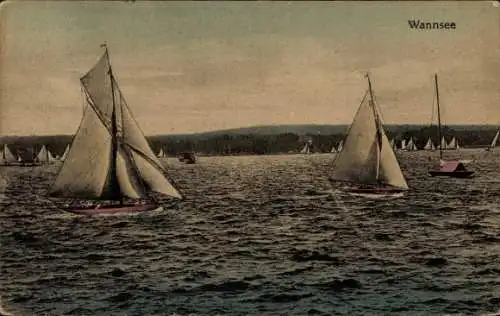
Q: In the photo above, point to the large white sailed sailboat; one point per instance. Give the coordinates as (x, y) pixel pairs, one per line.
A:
(367, 162)
(110, 159)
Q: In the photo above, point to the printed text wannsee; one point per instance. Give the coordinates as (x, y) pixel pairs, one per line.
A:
(421, 25)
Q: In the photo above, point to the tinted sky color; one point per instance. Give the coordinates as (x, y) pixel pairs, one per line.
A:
(194, 67)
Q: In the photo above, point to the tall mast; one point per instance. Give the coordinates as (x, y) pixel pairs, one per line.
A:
(439, 117)
(114, 132)
(377, 126)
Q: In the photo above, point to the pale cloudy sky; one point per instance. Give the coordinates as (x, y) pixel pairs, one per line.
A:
(193, 67)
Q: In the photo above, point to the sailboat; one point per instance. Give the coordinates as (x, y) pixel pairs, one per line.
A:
(307, 148)
(447, 168)
(340, 146)
(411, 145)
(110, 159)
(493, 142)
(367, 163)
(65, 154)
(6, 157)
(161, 154)
(44, 156)
(429, 145)
(453, 144)
(403, 144)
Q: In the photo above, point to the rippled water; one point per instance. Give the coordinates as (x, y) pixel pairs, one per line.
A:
(263, 235)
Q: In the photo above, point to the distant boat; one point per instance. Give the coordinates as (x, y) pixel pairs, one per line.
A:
(187, 157)
(411, 145)
(65, 154)
(403, 144)
(429, 145)
(367, 163)
(161, 154)
(447, 168)
(109, 159)
(340, 146)
(493, 142)
(7, 158)
(44, 156)
(453, 144)
(307, 148)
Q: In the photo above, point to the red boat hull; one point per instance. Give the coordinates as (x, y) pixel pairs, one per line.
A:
(114, 209)
(452, 174)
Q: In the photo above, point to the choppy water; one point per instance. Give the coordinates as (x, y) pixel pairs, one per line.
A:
(261, 235)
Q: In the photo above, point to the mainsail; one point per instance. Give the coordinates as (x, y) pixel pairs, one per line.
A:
(367, 156)
(44, 155)
(109, 158)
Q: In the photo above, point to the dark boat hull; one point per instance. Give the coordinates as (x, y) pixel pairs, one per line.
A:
(114, 209)
(452, 174)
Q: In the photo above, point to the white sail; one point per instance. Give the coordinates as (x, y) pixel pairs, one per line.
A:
(334, 149)
(367, 156)
(403, 144)
(65, 154)
(44, 155)
(495, 139)
(7, 156)
(110, 157)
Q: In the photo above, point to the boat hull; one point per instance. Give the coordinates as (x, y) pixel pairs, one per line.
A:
(452, 174)
(376, 192)
(114, 209)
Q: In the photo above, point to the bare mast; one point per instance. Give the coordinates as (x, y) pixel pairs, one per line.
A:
(439, 118)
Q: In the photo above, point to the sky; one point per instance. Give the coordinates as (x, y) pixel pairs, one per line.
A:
(202, 66)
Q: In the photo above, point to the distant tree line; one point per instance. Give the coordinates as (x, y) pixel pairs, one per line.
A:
(254, 144)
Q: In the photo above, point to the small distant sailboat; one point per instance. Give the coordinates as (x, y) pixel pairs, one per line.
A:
(44, 156)
(411, 145)
(307, 148)
(161, 154)
(340, 146)
(453, 144)
(7, 158)
(403, 144)
(367, 163)
(65, 154)
(447, 168)
(429, 145)
(110, 159)
(493, 142)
